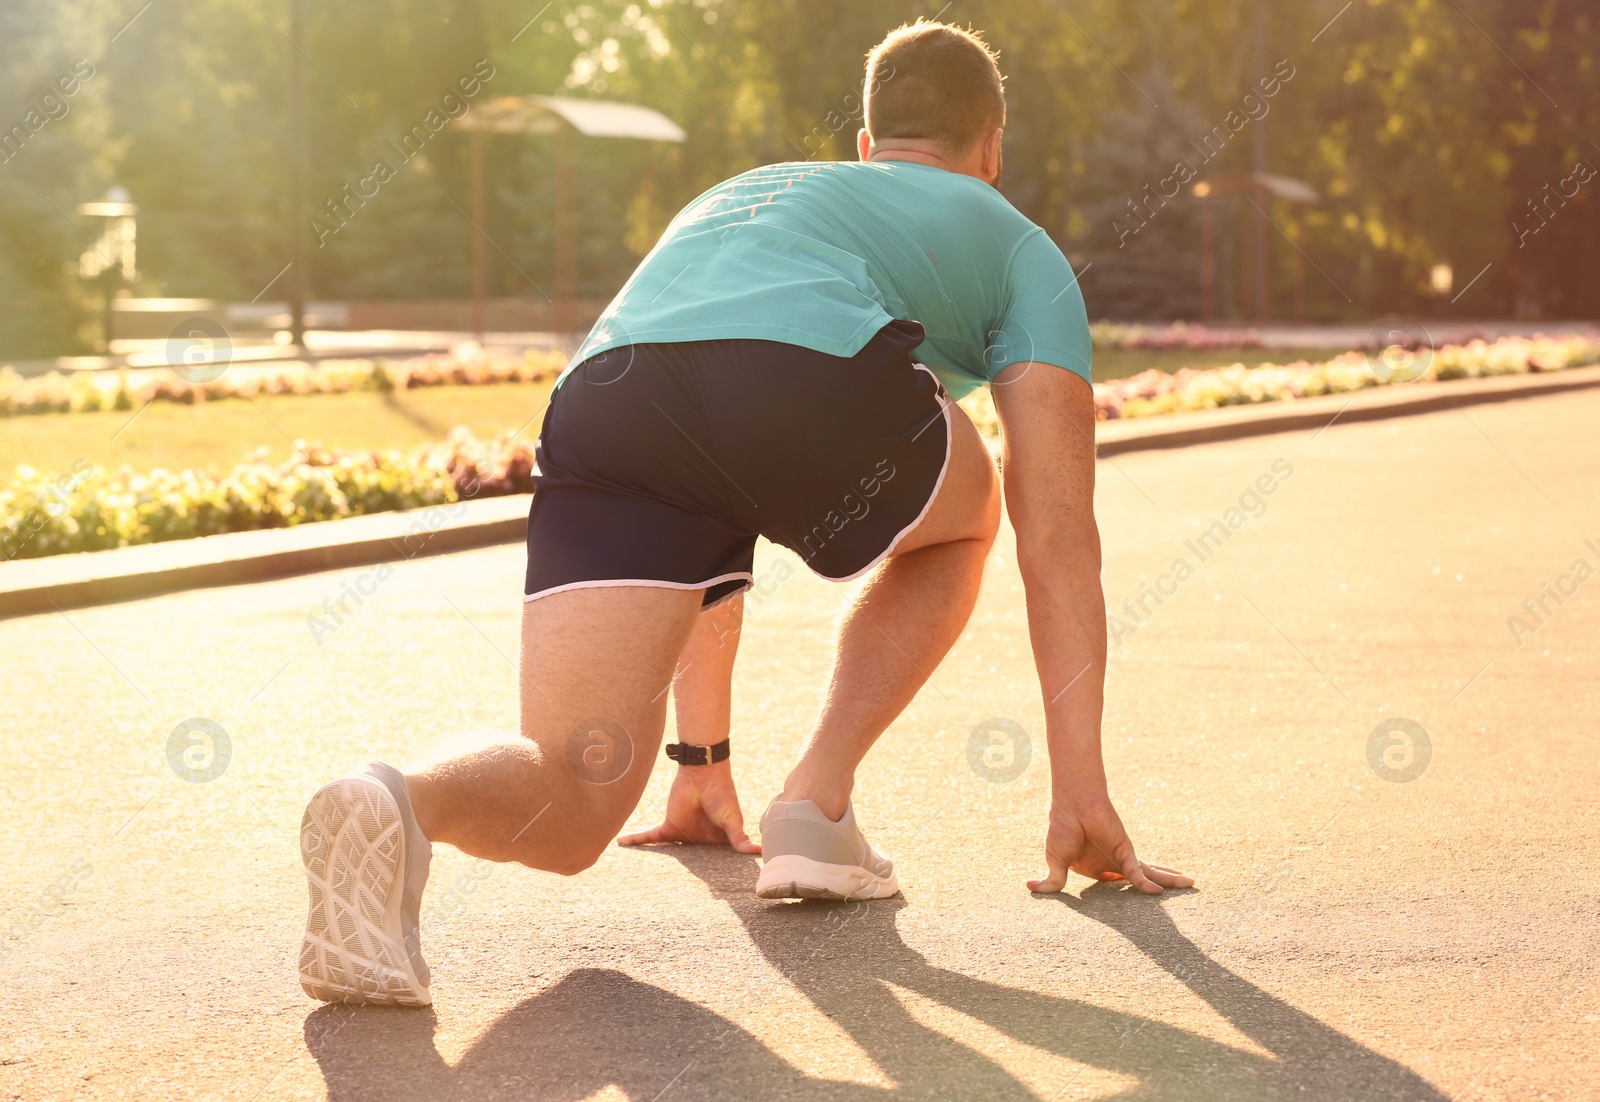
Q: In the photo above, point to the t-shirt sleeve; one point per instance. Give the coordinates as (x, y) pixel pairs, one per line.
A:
(1045, 320)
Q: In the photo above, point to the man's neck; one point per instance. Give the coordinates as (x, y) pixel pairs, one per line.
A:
(928, 153)
(915, 156)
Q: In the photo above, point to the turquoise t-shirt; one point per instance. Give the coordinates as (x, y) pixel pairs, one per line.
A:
(824, 255)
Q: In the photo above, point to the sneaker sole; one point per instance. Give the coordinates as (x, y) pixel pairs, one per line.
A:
(790, 876)
(353, 845)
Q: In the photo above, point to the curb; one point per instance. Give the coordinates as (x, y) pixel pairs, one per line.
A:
(61, 582)
(1179, 430)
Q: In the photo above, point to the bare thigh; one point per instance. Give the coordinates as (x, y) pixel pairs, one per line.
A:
(596, 665)
(967, 506)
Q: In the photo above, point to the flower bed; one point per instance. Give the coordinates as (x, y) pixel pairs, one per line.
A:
(1178, 335)
(89, 391)
(1143, 395)
(91, 509)
(1153, 392)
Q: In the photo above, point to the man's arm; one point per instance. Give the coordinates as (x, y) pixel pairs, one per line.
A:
(702, 805)
(1047, 421)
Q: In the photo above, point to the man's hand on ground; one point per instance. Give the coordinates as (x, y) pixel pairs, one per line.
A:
(702, 808)
(1088, 837)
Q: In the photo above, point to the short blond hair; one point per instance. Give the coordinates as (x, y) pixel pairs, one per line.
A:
(934, 82)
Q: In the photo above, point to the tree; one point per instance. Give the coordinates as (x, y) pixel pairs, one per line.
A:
(1438, 131)
(54, 153)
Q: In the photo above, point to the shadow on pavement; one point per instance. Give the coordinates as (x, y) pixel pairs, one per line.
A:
(599, 1028)
(596, 1028)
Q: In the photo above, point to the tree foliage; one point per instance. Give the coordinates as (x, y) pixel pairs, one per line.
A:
(1437, 131)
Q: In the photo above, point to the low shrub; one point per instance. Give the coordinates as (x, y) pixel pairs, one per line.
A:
(1153, 392)
(91, 509)
(89, 391)
(1178, 335)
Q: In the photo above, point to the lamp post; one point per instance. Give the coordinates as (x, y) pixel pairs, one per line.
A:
(1258, 159)
(114, 253)
(297, 175)
(1267, 186)
(1202, 191)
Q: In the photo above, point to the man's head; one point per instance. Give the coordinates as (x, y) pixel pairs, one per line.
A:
(935, 93)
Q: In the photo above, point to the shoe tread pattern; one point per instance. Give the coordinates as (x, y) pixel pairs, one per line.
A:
(351, 844)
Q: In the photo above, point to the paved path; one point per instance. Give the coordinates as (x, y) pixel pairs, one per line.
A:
(248, 352)
(1352, 936)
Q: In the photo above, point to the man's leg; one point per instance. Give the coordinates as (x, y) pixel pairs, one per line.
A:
(596, 665)
(902, 623)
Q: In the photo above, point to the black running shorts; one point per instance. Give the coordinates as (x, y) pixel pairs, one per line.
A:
(660, 464)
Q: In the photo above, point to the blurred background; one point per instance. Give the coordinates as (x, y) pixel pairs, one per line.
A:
(274, 264)
(1416, 145)
(246, 246)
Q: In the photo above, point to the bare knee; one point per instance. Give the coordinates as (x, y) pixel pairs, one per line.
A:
(584, 832)
(571, 839)
(570, 864)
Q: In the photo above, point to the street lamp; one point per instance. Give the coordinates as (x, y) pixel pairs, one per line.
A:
(1267, 186)
(1258, 164)
(299, 281)
(1208, 277)
(114, 253)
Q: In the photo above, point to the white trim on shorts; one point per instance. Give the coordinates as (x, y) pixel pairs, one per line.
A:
(949, 450)
(746, 576)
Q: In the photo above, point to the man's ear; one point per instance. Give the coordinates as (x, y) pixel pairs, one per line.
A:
(991, 152)
(863, 144)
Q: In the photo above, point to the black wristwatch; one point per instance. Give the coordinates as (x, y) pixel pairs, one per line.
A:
(684, 754)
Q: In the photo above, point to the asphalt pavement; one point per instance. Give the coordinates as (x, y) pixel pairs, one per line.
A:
(1361, 713)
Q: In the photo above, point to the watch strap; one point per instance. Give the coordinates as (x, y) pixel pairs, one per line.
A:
(684, 754)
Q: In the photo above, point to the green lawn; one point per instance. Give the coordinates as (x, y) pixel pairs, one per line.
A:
(217, 435)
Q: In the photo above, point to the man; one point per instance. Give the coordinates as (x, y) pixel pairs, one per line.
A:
(756, 377)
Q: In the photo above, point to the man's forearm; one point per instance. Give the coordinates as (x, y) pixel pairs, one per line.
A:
(1066, 623)
(702, 690)
(1047, 417)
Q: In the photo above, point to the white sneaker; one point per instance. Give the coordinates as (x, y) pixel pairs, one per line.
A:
(366, 863)
(806, 855)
